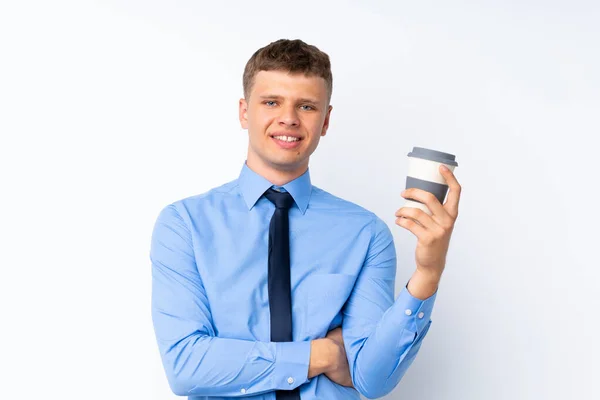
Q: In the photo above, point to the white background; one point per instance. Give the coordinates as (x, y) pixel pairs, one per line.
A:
(111, 110)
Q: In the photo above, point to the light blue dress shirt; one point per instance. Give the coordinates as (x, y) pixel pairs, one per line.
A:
(210, 305)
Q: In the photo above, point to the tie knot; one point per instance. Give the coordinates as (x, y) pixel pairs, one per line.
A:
(280, 199)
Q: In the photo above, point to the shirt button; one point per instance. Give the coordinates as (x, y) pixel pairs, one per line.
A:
(243, 391)
(421, 315)
(290, 380)
(408, 312)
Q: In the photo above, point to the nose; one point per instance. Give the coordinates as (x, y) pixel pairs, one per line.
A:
(288, 116)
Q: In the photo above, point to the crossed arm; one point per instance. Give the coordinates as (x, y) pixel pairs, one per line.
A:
(379, 338)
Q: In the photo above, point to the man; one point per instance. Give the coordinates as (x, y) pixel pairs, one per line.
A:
(268, 287)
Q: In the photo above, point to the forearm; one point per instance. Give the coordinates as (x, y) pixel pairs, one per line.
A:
(390, 348)
(210, 366)
(381, 335)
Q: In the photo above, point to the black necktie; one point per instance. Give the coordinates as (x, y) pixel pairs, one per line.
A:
(280, 296)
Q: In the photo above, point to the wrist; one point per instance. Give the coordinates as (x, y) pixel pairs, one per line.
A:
(423, 285)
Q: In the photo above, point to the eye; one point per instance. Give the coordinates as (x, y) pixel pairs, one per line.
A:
(309, 107)
(268, 101)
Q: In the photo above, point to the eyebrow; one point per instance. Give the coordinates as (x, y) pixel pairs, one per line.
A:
(302, 100)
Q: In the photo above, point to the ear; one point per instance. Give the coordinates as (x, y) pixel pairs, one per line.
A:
(243, 113)
(326, 122)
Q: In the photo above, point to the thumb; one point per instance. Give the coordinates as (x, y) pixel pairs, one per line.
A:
(336, 334)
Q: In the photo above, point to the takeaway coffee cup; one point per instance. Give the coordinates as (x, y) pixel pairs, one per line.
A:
(424, 173)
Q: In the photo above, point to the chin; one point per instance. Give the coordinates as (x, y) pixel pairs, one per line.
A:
(285, 165)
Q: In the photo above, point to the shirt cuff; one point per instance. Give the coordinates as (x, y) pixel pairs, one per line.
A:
(291, 364)
(416, 312)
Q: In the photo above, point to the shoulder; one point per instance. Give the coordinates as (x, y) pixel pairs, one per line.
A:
(216, 194)
(213, 198)
(322, 200)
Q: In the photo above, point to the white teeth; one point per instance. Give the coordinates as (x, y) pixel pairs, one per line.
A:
(286, 138)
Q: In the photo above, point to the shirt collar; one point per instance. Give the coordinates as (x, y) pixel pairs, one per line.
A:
(253, 185)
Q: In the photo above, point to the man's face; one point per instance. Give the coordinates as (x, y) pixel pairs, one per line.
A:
(283, 104)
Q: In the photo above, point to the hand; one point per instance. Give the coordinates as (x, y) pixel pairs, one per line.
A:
(336, 335)
(433, 232)
(339, 371)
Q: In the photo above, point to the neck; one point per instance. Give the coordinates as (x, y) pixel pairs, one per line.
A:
(277, 176)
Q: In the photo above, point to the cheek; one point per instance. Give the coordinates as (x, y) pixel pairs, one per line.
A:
(262, 116)
(258, 124)
(316, 124)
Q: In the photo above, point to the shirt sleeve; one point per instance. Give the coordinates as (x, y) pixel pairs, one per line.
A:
(197, 362)
(382, 337)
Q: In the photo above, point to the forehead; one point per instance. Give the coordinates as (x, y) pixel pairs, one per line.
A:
(286, 84)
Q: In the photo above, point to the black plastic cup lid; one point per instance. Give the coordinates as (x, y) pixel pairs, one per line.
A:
(433, 155)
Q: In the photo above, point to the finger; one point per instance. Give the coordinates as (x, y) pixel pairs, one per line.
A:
(337, 339)
(451, 204)
(438, 213)
(414, 227)
(335, 333)
(417, 215)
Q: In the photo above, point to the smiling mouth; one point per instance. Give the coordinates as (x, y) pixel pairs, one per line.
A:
(285, 144)
(286, 138)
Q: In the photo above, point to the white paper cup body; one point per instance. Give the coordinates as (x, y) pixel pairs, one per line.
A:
(426, 170)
